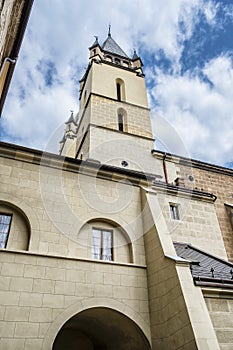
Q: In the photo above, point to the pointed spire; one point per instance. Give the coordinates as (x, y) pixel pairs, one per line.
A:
(96, 40)
(71, 118)
(109, 30)
(135, 55)
(95, 43)
(111, 46)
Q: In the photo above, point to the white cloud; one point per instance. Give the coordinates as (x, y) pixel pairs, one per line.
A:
(210, 10)
(200, 113)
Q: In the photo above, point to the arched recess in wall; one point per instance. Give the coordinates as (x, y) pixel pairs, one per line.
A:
(14, 227)
(120, 90)
(100, 328)
(105, 240)
(122, 120)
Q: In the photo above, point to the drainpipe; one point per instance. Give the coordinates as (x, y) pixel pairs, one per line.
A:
(7, 59)
(165, 167)
(4, 71)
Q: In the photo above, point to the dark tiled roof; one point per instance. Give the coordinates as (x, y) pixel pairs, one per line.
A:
(111, 46)
(206, 269)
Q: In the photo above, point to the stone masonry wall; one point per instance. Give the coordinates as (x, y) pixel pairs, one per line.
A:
(10, 17)
(221, 313)
(221, 185)
(198, 224)
(104, 112)
(39, 293)
(58, 203)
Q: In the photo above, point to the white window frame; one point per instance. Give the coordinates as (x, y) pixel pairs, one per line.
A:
(99, 251)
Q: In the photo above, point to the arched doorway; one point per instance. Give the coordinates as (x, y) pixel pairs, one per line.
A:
(100, 329)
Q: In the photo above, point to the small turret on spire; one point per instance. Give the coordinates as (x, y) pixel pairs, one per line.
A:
(71, 118)
(137, 63)
(109, 30)
(135, 55)
(96, 40)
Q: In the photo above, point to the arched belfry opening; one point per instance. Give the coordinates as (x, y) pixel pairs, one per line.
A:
(100, 329)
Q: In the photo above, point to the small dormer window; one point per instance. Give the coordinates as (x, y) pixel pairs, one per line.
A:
(117, 61)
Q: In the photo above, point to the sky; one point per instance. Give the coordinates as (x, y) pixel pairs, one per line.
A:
(187, 50)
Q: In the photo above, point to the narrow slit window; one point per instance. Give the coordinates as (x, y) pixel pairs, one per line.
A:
(120, 122)
(118, 91)
(5, 223)
(102, 244)
(174, 211)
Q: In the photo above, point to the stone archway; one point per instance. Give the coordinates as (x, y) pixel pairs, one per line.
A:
(100, 328)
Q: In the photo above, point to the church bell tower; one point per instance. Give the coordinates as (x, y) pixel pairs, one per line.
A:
(113, 123)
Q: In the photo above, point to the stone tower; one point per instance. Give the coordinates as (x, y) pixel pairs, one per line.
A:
(113, 123)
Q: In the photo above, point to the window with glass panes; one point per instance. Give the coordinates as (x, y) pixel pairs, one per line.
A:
(102, 244)
(174, 211)
(5, 223)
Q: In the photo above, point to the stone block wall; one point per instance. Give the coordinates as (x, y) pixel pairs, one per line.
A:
(39, 294)
(179, 317)
(221, 313)
(198, 223)
(10, 11)
(58, 203)
(218, 181)
(104, 112)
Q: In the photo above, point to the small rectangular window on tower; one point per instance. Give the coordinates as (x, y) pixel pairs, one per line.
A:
(174, 211)
(5, 223)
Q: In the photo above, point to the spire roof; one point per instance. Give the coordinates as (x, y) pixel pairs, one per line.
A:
(135, 55)
(112, 47)
(95, 42)
(71, 118)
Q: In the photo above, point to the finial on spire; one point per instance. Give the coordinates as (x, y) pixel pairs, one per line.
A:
(109, 29)
(96, 38)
